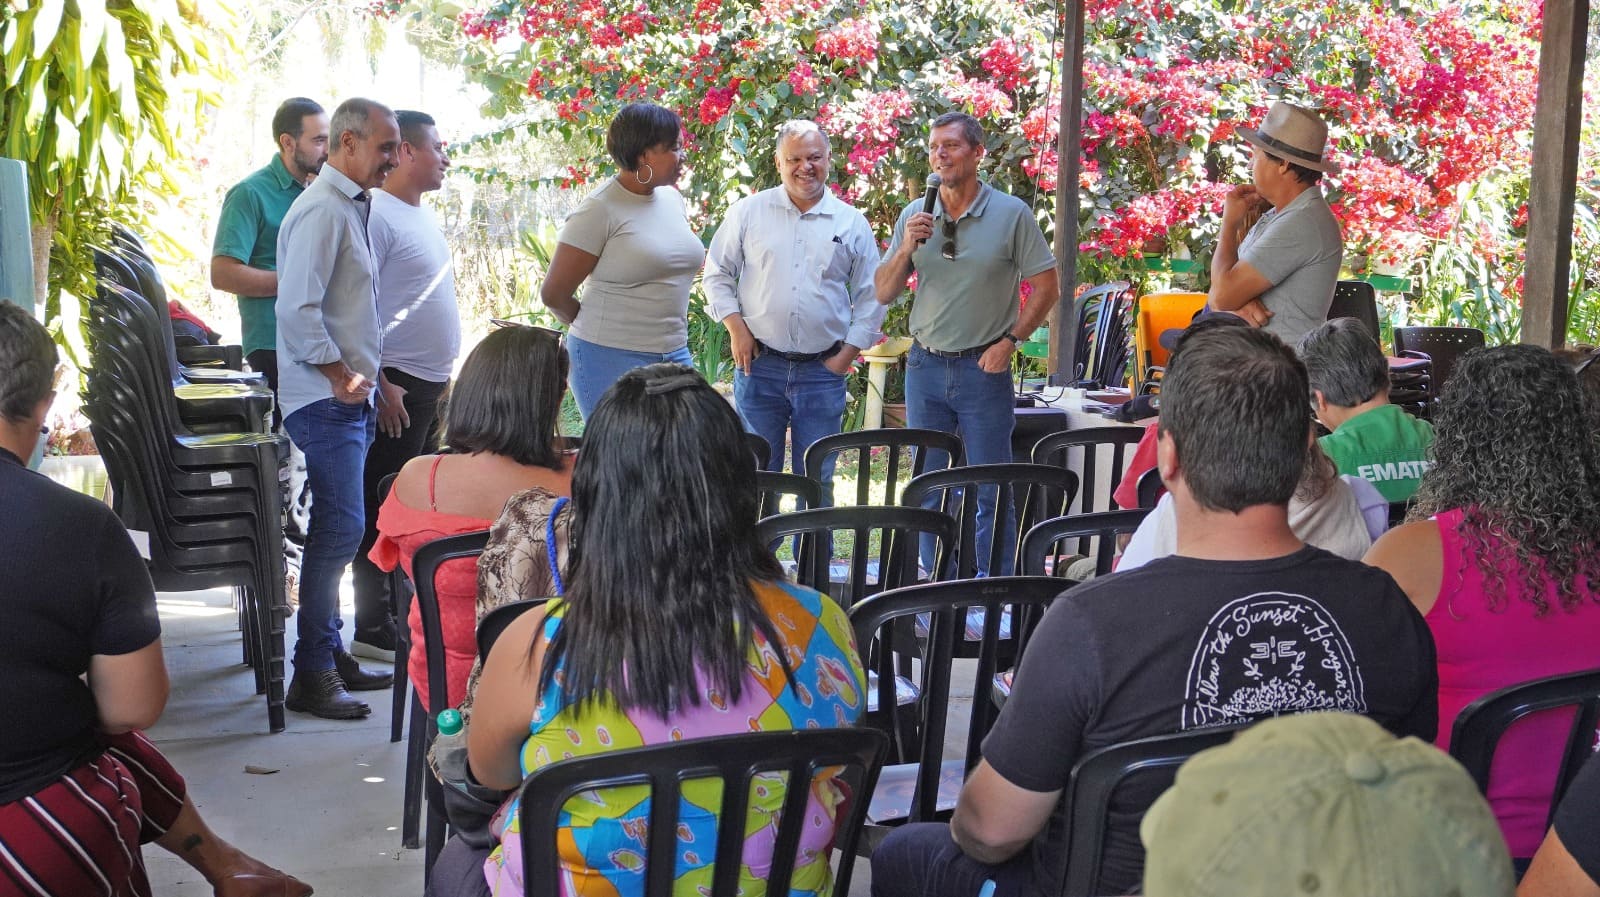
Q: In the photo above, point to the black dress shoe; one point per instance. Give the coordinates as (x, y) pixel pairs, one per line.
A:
(323, 694)
(357, 679)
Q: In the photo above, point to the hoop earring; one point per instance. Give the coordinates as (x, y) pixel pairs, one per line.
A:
(644, 180)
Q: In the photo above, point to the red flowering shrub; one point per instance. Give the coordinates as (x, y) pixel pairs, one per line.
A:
(1425, 105)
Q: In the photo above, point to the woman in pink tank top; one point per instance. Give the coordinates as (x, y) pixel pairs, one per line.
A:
(1502, 556)
(500, 429)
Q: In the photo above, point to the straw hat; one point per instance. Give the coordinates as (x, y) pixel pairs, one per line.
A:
(1294, 133)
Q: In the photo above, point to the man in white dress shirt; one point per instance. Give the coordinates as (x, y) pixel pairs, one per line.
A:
(790, 274)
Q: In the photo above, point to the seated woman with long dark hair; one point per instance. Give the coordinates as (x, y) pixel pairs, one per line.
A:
(500, 427)
(1502, 557)
(676, 623)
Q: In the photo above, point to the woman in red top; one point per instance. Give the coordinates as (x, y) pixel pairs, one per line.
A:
(501, 439)
(1502, 557)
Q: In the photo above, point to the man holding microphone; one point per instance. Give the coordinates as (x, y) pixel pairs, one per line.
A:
(970, 255)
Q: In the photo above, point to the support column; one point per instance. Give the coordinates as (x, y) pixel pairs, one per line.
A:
(1557, 124)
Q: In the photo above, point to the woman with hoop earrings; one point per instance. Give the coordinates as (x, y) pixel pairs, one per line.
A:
(630, 239)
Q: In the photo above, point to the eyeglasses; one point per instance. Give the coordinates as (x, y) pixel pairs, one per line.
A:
(949, 250)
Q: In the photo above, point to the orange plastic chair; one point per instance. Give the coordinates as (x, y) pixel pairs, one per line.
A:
(1159, 312)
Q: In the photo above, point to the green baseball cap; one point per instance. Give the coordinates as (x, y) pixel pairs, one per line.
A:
(1323, 805)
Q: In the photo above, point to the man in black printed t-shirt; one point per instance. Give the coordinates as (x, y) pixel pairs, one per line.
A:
(1244, 622)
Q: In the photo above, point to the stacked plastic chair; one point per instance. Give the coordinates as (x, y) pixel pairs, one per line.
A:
(209, 502)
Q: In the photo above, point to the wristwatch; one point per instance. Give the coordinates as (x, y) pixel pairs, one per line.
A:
(1015, 340)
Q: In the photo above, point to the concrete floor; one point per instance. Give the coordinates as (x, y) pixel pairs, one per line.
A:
(329, 815)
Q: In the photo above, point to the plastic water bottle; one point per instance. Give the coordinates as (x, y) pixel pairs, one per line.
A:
(450, 748)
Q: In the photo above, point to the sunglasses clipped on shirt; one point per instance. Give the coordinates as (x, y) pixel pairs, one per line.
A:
(949, 248)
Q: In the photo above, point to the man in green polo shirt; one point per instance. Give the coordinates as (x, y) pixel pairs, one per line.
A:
(1371, 438)
(971, 254)
(244, 255)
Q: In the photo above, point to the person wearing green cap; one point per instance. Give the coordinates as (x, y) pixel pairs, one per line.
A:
(1328, 804)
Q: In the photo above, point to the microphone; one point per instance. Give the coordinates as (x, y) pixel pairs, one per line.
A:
(934, 182)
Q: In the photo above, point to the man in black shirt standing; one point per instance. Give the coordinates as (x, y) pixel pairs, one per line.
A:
(1244, 622)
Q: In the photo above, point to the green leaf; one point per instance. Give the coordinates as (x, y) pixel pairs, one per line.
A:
(46, 23)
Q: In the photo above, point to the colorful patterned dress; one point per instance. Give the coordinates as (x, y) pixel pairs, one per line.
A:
(603, 834)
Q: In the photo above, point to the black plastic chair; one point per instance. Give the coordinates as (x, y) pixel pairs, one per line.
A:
(1397, 512)
(1441, 345)
(760, 448)
(1011, 606)
(1480, 725)
(494, 622)
(1026, 493)
(1150, 488)
(892, 565)
(1101, 338)
(1080, 451)
(1356, 299)
(1092, 799)
(775, 487)
(1044, 540)
(736, 760)
(424, 726)
(928, 450)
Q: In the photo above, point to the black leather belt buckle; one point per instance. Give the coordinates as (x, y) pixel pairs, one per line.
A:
(800, 357)
(959, 353)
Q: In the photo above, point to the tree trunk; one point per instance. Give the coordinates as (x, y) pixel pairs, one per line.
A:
(44, 235)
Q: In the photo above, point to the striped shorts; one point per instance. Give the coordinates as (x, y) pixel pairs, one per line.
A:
(80, 835)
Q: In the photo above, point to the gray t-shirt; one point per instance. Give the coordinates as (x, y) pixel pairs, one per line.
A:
(1299, 249)
(638, 296)
(972, 299)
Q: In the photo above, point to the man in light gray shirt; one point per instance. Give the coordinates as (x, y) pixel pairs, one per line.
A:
(328, 353)
(790, 274)
(971, 255)
(1281, 276)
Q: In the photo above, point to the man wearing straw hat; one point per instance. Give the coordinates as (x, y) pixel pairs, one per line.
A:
(1281, 275)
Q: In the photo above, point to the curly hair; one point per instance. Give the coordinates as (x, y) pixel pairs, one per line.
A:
(1512, 452)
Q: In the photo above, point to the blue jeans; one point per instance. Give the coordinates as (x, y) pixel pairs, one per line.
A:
(921, 860)
(593, 368)
(955, 396)
(777, 396)
(334, 437)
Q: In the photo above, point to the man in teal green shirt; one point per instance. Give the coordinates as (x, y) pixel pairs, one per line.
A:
(1371, 438)
(244, 255)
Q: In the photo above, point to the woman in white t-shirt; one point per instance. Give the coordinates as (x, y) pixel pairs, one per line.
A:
(631, 241)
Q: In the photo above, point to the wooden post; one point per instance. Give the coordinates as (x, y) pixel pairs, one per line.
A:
(1557, 124)
(1063, 327)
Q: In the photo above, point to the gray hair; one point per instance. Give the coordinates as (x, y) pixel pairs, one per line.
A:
(353, 115)
(1344, 362)
(799, 127)
(27, 362)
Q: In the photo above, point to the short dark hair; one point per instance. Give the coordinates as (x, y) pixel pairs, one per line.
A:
(1234, 404)
(1301, 173)
(411, 123)
(1344, 362)
(507, 399)
(27, 362)
(970, 129)
(291, 117)
(638, 127)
